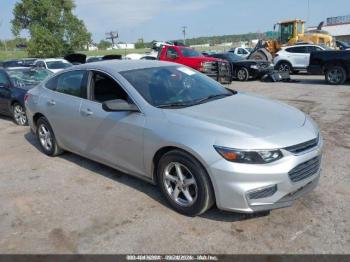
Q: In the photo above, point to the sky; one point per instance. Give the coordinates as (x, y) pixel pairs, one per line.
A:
(162, 19)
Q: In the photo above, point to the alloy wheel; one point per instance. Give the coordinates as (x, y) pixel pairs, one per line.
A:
(335, 76)
(284, 67)
(45, 137)
(19, 115)
(180, 184)
(242, 74)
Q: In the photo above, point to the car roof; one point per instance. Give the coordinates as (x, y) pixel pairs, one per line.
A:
(285, 47)
(52, 59)
(124, 65)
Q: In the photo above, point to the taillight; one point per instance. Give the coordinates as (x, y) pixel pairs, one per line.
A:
(26, 97)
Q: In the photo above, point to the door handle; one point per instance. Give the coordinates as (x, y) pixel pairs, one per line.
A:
(51, 102)
(87, 112)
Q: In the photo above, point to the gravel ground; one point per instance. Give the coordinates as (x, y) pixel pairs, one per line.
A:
(70, 204)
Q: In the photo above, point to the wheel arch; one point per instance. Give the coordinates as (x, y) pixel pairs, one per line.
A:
(283, 61)
(162, 151)
(36, 117)
(336, 63)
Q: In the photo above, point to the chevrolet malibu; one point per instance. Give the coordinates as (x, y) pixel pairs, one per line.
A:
(175, 127)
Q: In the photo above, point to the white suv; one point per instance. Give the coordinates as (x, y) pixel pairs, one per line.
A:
(294, 58)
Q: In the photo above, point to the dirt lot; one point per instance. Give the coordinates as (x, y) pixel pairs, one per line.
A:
(73, 205)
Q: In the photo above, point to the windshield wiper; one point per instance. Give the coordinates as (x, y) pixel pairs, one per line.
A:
(200, 101)
(172, 105)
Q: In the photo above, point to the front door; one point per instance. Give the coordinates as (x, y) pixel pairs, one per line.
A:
(114, 138)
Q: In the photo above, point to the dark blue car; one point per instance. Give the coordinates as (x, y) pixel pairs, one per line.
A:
(14, 84)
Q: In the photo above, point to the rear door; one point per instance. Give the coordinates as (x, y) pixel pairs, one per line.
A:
(61, 106)
(5, 93)
(113, 138)
(299, 56)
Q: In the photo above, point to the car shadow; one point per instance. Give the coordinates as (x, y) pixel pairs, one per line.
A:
(140, 185)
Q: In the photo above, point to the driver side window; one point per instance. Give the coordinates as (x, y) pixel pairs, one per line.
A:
(103, 88)
(171, 53)
(3, 79)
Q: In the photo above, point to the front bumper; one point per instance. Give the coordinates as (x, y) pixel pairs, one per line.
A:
(258, 73)
(234, 182)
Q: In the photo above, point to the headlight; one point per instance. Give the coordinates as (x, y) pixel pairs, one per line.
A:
(249, 157)
(254, 66)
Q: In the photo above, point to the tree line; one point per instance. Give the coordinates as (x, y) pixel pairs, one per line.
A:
(55, 31)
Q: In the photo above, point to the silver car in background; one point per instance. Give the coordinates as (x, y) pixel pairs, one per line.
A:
(175, 127)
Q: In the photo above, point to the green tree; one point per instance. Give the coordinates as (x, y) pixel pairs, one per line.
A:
(104, 44)
(140, 44)
(53, 28)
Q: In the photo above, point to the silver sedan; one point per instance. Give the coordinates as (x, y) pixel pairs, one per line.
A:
(175, 127)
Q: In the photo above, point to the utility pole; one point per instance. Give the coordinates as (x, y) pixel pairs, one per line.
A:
(111, 36)
(308, 13)
(184, 33)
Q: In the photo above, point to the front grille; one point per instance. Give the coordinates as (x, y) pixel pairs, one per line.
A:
(296, 149)
(305, 169)
(262, 193)
(263, 65)
(220, 71)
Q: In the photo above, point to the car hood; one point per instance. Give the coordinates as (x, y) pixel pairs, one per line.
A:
(206, 59)
(241, 114)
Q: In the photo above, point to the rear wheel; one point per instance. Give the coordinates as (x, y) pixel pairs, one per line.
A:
(335, 75)
(19, 115)
(185, 183)
(242, 74)
(46, 138)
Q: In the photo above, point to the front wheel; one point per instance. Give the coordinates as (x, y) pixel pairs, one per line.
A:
(335, 75)
(19, 115)
(243, 74)
(185, 183)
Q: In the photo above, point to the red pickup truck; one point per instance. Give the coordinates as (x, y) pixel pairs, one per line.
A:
(215, 68)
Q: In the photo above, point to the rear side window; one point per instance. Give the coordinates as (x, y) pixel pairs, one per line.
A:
(3, 78)
(70, 83)
(313, 49)
(298, 49)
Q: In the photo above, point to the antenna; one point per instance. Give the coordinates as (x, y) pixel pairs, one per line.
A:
(184, 33)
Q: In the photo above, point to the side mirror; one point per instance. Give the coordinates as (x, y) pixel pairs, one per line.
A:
(119, 105)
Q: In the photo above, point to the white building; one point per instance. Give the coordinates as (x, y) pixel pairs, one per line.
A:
(338, 27)
(122, 46)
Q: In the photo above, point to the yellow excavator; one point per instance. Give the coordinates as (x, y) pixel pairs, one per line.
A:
(290, 32)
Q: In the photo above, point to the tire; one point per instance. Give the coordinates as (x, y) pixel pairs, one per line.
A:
(190, 198)
(284, 67)
(335, 75)
(242, 74)
(46, 138)
(19, 115)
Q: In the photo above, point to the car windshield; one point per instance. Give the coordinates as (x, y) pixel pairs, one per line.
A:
(24, 77)
(174, 86)
(188, 52)
(58, 65)
(344, 44)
